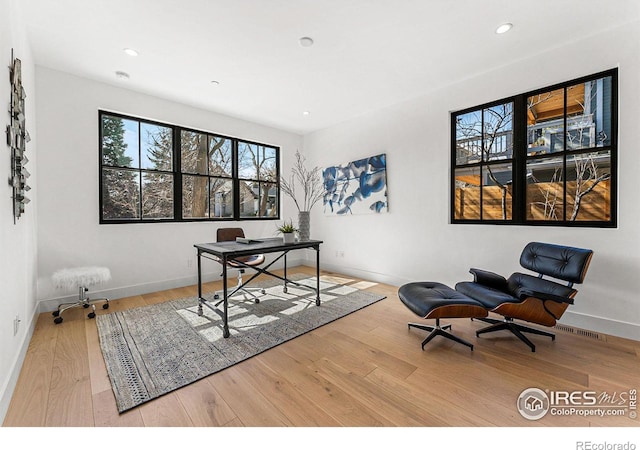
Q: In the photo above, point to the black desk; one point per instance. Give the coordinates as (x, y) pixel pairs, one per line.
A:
(228, 251)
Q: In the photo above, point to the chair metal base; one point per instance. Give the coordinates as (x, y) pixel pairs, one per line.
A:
(239, 288)
(515, 328)
(438, 330)
(83, 301)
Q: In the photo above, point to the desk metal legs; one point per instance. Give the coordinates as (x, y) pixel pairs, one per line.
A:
(225, 303)
(203, 302)
(225, 300)
(317, 275)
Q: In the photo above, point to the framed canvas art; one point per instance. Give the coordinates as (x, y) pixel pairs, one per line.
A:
(356, 187)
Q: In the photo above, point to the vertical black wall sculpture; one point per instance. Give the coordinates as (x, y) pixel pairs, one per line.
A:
(17, 138)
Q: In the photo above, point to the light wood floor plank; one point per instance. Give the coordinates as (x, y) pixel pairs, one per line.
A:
(70, 402)
(204, 405)
(165, 411)
(245, 399)
(31, 396)
(298, 409)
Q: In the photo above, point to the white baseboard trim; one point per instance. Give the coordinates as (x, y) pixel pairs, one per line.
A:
(364, 274)
(49, 305)
(604, 325)
(10, 385)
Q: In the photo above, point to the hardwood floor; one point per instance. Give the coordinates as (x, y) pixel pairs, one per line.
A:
(364, 370)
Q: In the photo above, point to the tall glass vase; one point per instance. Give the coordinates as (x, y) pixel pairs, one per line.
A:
(304, 225)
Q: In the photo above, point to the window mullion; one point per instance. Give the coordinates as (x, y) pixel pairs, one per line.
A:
(519, 167)
(177, 174)
(236, 182)
(565, 138)
(140, 171)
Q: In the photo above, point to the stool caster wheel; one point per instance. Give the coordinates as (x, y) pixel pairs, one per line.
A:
(85, 305)
(257, 300)
(57, 320)
(56, 313)
(105, 306)
(263, 291)
(216, 297)
(91, 315)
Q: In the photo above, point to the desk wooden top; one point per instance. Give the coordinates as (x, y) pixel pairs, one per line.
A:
(259, 245)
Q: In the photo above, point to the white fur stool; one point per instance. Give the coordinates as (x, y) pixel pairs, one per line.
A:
(80, 278)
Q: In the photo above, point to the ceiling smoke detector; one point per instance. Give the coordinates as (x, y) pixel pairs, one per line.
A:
(305, 42)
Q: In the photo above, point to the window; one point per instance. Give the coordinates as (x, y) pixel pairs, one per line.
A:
(154, 172)
(546, 157)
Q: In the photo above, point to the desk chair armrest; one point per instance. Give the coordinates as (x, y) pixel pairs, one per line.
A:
(525, 293)
(489, 279)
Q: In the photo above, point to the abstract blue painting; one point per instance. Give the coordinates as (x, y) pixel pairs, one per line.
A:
(356, 187)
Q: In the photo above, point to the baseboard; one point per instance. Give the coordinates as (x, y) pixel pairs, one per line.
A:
(12, 380)
(364, 274)
(49, 305)
(602, 325)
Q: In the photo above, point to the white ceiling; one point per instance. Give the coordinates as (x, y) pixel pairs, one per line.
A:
(368, 54)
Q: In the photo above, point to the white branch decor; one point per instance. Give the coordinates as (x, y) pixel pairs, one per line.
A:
(310, 182)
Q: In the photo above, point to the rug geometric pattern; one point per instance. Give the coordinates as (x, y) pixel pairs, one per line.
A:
(152, 350)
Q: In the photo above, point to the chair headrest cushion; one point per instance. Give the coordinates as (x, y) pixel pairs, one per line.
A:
(557, 261)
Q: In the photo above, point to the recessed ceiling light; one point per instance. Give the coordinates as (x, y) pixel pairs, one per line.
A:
(122, 75)
(305, 41)
(504, 28)
(130, 52)
(305, 113)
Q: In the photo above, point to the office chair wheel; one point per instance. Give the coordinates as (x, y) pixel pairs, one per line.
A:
(263, 291)
(91, 315)
(105, 306)
(257, 300)
(57, 320)
(56, 313)
(86, 305)
(216, 297)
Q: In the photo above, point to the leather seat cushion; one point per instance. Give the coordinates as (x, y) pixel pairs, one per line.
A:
(253, 260)
(519, 282)
(487, 296)
(424, 296)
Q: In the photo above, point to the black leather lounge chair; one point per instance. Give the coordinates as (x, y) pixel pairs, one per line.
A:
(527, 297)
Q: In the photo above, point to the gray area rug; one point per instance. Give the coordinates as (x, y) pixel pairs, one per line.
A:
(153, 350)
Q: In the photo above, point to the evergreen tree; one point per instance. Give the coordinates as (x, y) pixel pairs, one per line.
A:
(120, 190)
(157, 189)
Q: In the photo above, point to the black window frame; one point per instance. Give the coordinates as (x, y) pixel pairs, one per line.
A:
(177, 174)
(520, 157)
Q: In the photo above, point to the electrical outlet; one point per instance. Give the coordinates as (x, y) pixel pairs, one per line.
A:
(16, 324)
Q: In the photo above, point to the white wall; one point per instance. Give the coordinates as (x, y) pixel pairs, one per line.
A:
(17, 241)
(415, 240)
(142, 257)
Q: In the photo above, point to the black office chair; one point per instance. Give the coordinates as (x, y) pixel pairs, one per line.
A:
(527, 297)
(230, 234)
